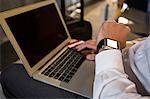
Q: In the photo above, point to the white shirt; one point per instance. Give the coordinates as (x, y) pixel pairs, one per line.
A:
(111, 82)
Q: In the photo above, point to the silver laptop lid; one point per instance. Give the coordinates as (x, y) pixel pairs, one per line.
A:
(37, 32)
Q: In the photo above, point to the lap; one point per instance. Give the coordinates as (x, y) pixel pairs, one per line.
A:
(17, 83)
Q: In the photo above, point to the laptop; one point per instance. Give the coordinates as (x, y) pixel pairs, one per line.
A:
(40, 37)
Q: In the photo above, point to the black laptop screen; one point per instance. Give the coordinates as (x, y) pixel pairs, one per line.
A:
(37, 32)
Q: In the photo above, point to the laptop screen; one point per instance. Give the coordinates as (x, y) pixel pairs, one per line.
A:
(37, 32)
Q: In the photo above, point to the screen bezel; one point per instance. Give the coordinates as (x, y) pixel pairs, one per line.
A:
(14, 43)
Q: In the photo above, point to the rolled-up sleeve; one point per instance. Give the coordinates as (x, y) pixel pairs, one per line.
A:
(110, 80)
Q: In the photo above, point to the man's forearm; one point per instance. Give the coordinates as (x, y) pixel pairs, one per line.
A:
(110, 80)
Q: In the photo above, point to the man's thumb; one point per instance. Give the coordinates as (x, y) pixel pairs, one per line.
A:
(90, 57)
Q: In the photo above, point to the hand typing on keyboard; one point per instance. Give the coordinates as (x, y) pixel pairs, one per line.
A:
(109, 29)
(89, 44)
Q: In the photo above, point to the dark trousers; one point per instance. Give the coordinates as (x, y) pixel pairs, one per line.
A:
(16, 83)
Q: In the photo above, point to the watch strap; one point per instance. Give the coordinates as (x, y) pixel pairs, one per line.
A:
(100, 45)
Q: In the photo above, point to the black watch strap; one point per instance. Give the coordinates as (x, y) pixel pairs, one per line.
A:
(100, 45)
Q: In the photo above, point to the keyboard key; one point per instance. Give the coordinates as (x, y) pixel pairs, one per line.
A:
(52, 74)
(77, 66)
(67, 71)
(74, 70)
(50, 70)
(46, 73)
(69, 77)
(71, 73)
(43, 72)
(66, 80)
(61, 78)
(64, 75)
(57, 76)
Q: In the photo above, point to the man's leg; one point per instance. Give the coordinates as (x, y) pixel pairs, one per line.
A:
(16, 83)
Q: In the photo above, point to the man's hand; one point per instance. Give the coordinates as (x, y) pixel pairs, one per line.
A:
(114, 30)
(109, 29)
(91, 44)
(88, 44)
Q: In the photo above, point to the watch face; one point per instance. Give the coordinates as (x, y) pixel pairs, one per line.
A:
(112, 43)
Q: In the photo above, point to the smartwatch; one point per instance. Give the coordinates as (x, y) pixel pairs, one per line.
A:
(108, 43)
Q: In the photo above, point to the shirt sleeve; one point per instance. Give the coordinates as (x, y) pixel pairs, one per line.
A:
(110, 80)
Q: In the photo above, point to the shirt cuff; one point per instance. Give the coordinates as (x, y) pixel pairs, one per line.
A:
(109, 59)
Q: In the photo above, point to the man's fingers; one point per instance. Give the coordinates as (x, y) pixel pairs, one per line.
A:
(81, 47)
(91, 44)
(90, 57)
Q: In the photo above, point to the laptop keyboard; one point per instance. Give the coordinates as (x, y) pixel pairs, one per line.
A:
(65, 66)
